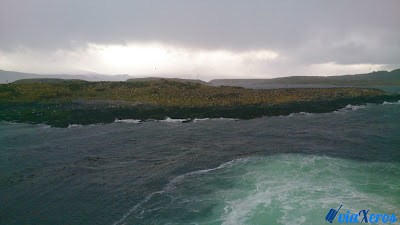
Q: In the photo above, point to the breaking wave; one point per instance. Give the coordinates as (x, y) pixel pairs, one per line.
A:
(391, 103)
(75, 125)
(127, 121)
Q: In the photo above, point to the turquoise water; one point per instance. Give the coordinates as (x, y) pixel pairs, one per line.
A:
(280, 189)
(273, 170)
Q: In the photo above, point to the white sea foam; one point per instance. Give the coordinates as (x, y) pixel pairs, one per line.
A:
(350, 107)
(180, 178)
(280, 189)
(200, 119)
(127, 121)
(75, 125)
(45, 126)
(295, 186)
(300, 113)
(133, 209)
(304, 113)
(222, 118)
(355, 107)
(391, 103)
(171, 185)
(169, 120)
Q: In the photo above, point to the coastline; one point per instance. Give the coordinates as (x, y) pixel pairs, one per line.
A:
(64, 114)
(79, 102)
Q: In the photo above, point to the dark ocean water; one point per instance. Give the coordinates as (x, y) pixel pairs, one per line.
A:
(272, 170)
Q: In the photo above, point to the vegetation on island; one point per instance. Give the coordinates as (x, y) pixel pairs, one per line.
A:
(160, 78)
(82, 102)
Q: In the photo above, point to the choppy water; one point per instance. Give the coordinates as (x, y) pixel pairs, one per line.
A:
(273, 170)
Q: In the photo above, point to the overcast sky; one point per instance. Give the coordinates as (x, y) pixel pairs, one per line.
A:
(200, 39)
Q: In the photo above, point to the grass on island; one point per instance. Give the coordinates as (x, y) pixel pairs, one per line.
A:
(80, 102)
(170, 93)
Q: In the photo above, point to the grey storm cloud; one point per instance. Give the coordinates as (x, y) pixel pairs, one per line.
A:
(309, 31)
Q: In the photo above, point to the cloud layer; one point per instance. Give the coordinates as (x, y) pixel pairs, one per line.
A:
(210, 38)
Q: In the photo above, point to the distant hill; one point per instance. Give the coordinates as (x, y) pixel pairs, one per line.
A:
(10, 76)
(384, 78)
(378, 78)
(43, 80)
(161, 78)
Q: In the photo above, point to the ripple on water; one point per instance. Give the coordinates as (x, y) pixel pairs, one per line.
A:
(280, 189)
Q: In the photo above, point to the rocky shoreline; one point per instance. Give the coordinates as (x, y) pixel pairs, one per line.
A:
(64, 114)
(79, 102)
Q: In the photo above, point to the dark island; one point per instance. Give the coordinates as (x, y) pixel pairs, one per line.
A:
(63, 102)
